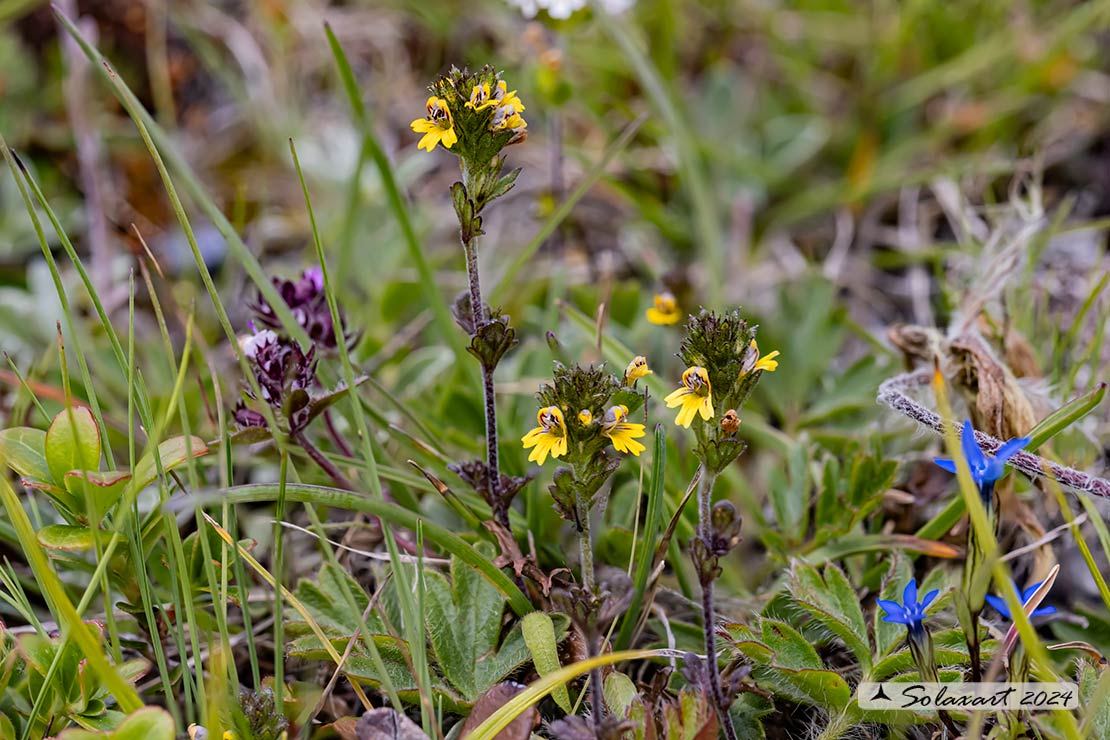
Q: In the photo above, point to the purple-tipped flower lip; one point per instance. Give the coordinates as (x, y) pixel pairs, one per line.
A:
(984, 470)
(999, 603)
(910, 612)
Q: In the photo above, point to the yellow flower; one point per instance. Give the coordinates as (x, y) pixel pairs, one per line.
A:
(636, 369)
(438, 127)
(480, 98)
(507, 116)
(585, 417)
(766, 362)
(508, 97)
(549, 438)
(665, 311)
(622, 433)
(695, 397)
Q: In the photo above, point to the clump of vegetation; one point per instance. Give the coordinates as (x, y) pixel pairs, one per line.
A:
(665, 450)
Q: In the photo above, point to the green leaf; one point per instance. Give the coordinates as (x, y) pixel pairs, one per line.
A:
(888, 634)
(72, 443)
(789, 647)
(789, 494)
(148, 723)
(951, 650)
(24, 451)
(833, 603)
(463, 619)
(539, 635)
(690, 718)
(100, 490)
(172, 452)
(66, 537)
(395, 515)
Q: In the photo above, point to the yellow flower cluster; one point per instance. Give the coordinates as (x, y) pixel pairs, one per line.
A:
(438, 126)
(550, 435)
(693, 398)
(695, 395)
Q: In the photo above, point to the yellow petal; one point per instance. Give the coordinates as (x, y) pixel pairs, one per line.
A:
(663, 318)
(429, 141)
(675, 397)
(449, 138)
(686, 415)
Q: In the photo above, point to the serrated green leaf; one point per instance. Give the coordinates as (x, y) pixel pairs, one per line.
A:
(833, 603)
(463, 619)
(789, 647)
(822, 687)
(949, 645)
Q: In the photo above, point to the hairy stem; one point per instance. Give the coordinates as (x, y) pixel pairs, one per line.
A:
(589, 582)
(585, 546)
(708, 609)
(478, 314)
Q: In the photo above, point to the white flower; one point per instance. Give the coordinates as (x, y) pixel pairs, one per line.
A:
(562, 9)
(251, 344)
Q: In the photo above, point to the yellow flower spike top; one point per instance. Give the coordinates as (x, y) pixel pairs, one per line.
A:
(767, 362)
(665, 311)
(694, 397)
(438, 127)
(585, 417)
(636, 369)
(621, 433)
(549, 438)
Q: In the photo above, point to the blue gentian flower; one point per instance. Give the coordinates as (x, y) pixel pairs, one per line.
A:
(1024, 596)
(910, 612)
(984, 470)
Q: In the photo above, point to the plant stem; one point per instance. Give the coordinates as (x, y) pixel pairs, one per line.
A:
(325, 464)
(585, 546)
(709, 619)
(589, 583)
(478, 315)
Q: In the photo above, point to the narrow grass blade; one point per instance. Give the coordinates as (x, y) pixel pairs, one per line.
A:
(647, 544)
(522, 257)
(393, 514)
(512, 709)
(164, 152)
(75, 629)
(432, 295)
(707, 224)
(289, 597)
